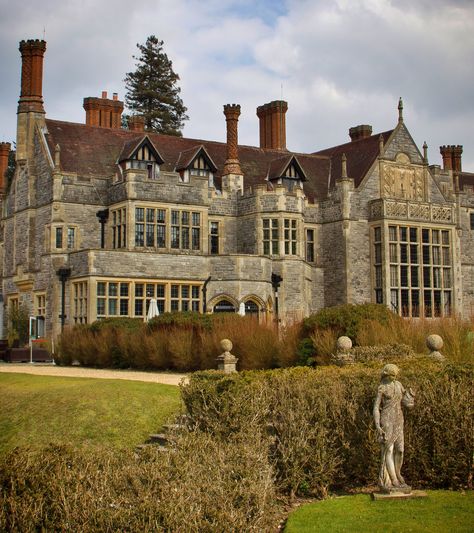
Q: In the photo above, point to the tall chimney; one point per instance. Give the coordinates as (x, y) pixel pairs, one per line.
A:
(232, 165)
(103, 112)
(136, 123)
(446, 155)
(360, 132)
(32, 54)
(272, 119)
(457, 153)
(4, 153)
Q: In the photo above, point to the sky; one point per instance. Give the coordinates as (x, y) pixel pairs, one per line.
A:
(338, 63)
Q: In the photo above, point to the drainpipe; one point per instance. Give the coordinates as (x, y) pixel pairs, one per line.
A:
(63, 274)
(204, 295)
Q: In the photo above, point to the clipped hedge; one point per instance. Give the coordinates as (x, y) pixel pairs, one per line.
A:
(319, 422)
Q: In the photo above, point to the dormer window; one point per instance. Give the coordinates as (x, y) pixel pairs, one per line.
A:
(287, 171)
(196, 162)
(141, 155)
(200, 167)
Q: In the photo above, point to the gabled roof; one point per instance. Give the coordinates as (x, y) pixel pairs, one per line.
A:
(278, 167)
(90, 150)
(132, 145)
(360, 154)
(187, 157)
(466, 179)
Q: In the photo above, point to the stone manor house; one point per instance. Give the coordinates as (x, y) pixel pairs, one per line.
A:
(98, 219)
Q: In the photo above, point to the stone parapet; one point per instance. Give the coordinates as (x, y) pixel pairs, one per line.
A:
(417, 211)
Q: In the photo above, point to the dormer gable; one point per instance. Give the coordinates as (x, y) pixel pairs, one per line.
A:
(196, 162)
(140, 153)
(287, 171)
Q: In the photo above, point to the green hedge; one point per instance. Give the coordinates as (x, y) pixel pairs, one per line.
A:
(319, 422)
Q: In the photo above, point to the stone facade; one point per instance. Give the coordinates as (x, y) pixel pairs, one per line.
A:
(206, 226)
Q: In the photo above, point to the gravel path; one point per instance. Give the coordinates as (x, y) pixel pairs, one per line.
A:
(80, 372)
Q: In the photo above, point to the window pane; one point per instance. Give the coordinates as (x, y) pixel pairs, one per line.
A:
(113, 288)
(139, 214)
(185, 238)
(138, 289)
(139, 307)
(160, 236)
(160, 291)
(124, 289)
(150, 290)
(112, 307)
(59, 237)
(100, 288)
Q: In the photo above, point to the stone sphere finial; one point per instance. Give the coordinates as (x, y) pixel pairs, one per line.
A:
(226, 345)
(343, 344)
(435, 343)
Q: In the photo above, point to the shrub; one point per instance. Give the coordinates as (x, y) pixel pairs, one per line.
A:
(17, 319)
(320, 426)
(382, 353)
(347, 319)
(202, 485)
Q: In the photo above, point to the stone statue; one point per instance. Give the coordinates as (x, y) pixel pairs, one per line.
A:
(388, 418)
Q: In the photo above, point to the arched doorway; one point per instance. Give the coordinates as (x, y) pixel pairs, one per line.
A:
(251, 308)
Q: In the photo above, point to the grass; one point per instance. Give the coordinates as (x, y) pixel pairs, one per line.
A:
(39, 410)
(441, 511)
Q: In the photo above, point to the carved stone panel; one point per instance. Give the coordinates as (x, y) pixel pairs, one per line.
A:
(401, 179)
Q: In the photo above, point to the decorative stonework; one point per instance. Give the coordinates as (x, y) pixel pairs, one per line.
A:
(406, 210)
(400, 179)
(226, 362)
(435, 343)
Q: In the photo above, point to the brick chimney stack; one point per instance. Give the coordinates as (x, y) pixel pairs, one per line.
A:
(32, 54)
(4, 153)
(232, 165)
(451, 157)
(104, 112)
(360, 132)
(272, 118)
(136, 123)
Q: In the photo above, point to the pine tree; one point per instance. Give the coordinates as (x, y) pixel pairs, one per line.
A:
(152, 90)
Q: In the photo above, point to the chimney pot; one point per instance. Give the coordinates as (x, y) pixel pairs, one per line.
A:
(136, 123)
(272, 118)
(4, 153)
(115, 96)
(31, 96)
(104, 94)
(362, 131)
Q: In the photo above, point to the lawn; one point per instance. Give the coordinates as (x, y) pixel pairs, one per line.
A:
(441, 511)
(39, 410)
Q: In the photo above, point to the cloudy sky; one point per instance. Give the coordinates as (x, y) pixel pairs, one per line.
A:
(338, 63)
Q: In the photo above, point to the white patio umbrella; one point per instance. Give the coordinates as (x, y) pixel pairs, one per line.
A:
(242, 309)
(152, 310)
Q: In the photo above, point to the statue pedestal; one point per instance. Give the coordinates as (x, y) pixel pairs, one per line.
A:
(405, 493)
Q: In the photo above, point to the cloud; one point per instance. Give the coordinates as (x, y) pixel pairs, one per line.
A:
(338, 62)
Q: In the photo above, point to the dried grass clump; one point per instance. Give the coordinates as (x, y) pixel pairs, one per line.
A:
(201, 485)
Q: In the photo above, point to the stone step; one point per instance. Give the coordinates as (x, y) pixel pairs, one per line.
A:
(159, 438)
(142, 447)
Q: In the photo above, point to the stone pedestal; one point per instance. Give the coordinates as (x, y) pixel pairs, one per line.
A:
(226, 362)
(343, 354)
(398, 494)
